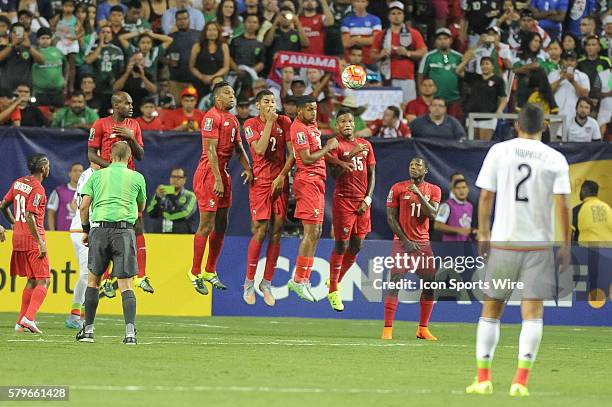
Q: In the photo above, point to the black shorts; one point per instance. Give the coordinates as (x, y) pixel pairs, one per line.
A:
(116, 245)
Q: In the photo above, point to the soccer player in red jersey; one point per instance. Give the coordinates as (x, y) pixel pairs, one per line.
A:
(268, 136)
(309, 189)
(351, 202)
(103, 134)
(212, 184)
(29, 258)
(411, 206)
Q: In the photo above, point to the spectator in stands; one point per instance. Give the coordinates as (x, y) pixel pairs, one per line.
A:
(588, 27)
(107, 61)
(333, 38)
(133, 18)
(454, 218)
(48, 81)
(229, 19)
(586, 227)
(290, 107)
(243, 108)
(550, 13)
(116, 24)
(283, 89)
(67, 30)
(61, 206)
(186, 117)
(487, 94)
(78, 115)
(268, 15)
(583, 128)
(179, 52)
(553, 62)
(440, 65)
(135, 81)
(437, 124)
(5, 25)
(540, 92)
(570, 43)
(298, 87)
(603, 92)
(150, 53)
(250, 7)
(355, 57)
(16, 59)
(509, 18)
(360, 28)
(105, 11)
(88, 87)
(528, 60)
(86, 40)
(489, 45)
(318, 84)
(315, 25)
(592, 63)
(210, 57)
(578, 10)
(390, 126)
(30, 24)
(175, 205)
(526, 25)
(196, 18)
(398, 48)
(165, 99)
(606, 38)
(420, 105)
(31, 116)
(478, 16)
(153, 10)
(248, 54)
(569, 84)
(286, 34)
(10, 114)
(149, 117)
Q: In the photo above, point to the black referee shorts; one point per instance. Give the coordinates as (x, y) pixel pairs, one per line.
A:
(116, 245)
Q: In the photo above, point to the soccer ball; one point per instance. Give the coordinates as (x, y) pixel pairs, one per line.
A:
(353, 77)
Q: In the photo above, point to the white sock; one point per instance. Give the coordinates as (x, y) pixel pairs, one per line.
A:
(487, 336)
(79, 290)
(529, 341)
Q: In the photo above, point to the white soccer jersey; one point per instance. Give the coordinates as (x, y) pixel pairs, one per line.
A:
(524, 174)
(75, 226)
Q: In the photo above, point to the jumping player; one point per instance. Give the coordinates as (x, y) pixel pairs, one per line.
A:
(29, 258)
(309, 188)
(411, 206)
(212, 184)
(103, 134)
(268, 136)
(351, 202)
(526, 180)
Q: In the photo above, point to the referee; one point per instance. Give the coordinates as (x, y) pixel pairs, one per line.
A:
(115, 194)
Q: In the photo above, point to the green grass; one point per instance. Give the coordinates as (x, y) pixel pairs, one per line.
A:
(294, 362)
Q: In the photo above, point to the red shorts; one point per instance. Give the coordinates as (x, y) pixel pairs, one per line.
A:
(203, 187)
(27, 264)
(261, 203)
(419, 262)
(347, 222)
(310, 199)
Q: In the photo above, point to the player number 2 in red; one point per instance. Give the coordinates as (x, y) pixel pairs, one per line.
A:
(20, 208)
(358, 163)
(416, 208)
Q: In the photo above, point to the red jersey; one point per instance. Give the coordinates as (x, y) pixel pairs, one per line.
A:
(101, 136)
(307, 137)
(155, 124)
(400, 130)
(353, 185)
(177, 117)
(401, 67)
(417, 107)
(27, 195)
(315, 31)
(267, 167)
(224, 127)
(412, 220)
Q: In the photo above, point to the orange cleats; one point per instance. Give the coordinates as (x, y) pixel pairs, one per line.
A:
(423, 333)
(387, 333)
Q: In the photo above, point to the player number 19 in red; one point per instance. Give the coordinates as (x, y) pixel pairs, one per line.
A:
(416, 208)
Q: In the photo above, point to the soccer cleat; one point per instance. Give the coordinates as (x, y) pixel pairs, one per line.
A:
(518, 390)
(423, 333)
(327, 284)
(266, 289)
(198, 283)
(387, 333)
(249, 292)
(83, 336)
(29, 325)
(301, 289)
(335, 300)
(107, 289)
(145, 284)
(19, 329)
(482, 388)
(130, 340)
(213, 279)
(72, 323)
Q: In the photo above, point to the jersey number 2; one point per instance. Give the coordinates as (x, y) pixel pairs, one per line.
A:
(20, 208)
(525, 170)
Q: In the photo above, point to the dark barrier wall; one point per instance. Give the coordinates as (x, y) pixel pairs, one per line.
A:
(166, 150)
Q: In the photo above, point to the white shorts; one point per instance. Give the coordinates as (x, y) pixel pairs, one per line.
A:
(490, 124)
(408, 87)
(533, 268)
(81, 251)
(68, 47)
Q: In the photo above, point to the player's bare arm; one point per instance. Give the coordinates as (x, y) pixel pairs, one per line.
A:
(429, 208)
(392, 220)
(210, 145)
(247, 171)
(92, 155)
(485, 208)
(31, 222)
(338, 166)
(367, 201)
(309, 158)
(128, 135)
(2, 235)
(279, 182)
(84, 211)
(270, 116)
(4, 208)
(564, 215)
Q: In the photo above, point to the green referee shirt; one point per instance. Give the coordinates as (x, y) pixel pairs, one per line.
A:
(115, 192)
(441, 67)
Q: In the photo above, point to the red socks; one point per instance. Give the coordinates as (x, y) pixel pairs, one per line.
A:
(484, 374)
(38, 296)
(272, 253)
(25, 301)
(141, 255)
(215, 243)
(390, 307)
(252, 258)
(347, 262)
(521, 376)
(303, 268)
(199, 244)
(335, 265)
(426, 308)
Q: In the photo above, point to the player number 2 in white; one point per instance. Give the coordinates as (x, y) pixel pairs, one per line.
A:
(20, 208)
(273, 142)
(358, 163)
(416, 208)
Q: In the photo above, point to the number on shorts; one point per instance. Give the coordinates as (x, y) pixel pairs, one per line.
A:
(526, 176)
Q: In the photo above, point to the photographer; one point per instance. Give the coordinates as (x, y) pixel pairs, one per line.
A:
(10, 115)
(174, 205)
(16, 59)
(135, 81)
(286, 34)
(31, 116)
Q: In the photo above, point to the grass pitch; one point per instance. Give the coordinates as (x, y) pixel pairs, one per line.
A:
(294, 362)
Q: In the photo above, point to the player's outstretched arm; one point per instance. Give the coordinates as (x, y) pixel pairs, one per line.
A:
(309, 158)
(4, 208)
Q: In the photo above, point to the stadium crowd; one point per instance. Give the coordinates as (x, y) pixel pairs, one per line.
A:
(60, 61)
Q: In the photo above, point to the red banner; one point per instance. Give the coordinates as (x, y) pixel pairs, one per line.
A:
(300, 60)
